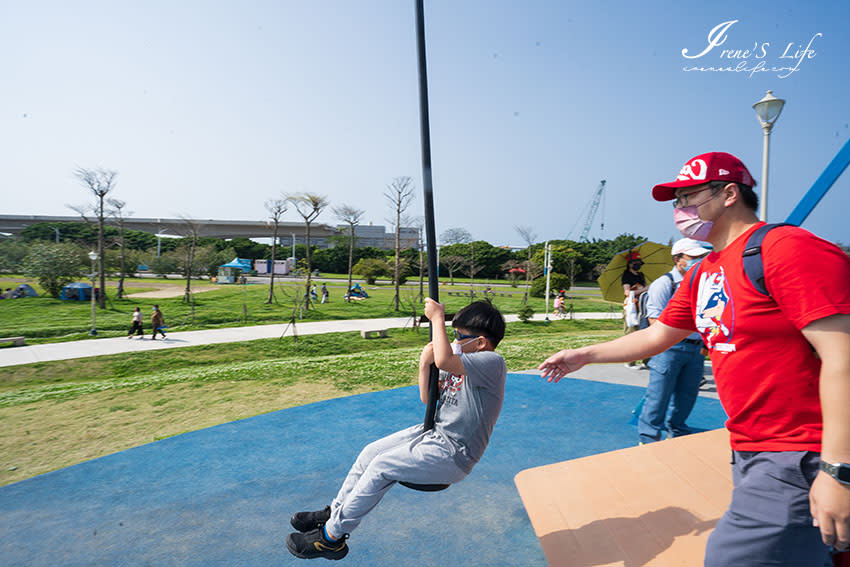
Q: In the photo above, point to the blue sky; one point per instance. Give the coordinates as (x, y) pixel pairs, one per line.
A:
(209, 108)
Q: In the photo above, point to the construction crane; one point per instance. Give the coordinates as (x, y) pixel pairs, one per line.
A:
(591, 212)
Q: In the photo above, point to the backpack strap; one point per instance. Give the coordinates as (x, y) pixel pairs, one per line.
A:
(753, 262)
(672, 283)
(694, 271)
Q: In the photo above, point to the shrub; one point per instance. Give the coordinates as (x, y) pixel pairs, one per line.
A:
(557, 282)
(525, 313)
(371, 269)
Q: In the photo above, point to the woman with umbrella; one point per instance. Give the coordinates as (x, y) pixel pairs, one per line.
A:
(634, 285)
(633, 279)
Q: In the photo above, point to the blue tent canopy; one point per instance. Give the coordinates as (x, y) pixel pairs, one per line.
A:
(243, 264)
(76, 291)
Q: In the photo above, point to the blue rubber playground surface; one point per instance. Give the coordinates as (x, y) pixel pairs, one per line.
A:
(223, 495)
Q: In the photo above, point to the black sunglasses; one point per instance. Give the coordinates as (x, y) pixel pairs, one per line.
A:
(460, 336)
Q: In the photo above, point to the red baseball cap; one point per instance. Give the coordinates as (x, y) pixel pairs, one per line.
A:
(713, 166)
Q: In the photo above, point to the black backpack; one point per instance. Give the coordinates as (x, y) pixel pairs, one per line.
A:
(753, 263)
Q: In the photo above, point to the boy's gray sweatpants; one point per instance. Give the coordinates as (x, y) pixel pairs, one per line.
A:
(411, 455)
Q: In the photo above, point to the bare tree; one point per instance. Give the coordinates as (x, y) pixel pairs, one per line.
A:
(453, 263)
(419, 223)
(100, 182)
(471, 268)
(309, 206)
(116, 211)
(399, 195)
(455, 236)
(351, 215)
(528, 236)
(276, 208)
(190, 231)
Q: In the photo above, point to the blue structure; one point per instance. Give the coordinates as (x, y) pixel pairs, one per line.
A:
(223, 495)
(823, 183)
(79, 291)
(233, 270)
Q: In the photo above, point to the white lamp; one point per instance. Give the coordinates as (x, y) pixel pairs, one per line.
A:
(768, 110)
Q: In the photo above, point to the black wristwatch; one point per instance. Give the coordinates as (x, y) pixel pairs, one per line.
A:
(838, 471)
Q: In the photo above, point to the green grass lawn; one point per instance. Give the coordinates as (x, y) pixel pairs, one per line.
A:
(54, 414)
(44, 319)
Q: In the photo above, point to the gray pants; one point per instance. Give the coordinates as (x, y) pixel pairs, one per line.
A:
(769, 522)
(411, 455)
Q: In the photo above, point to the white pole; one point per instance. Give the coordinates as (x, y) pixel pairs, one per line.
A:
(764, 163)
(547, 263)
(93, 330)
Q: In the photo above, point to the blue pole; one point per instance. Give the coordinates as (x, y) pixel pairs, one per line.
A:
(813, 196)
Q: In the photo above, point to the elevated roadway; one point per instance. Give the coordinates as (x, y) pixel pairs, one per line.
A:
(14, 224)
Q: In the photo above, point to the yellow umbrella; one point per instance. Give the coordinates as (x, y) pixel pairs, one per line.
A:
(657, 260)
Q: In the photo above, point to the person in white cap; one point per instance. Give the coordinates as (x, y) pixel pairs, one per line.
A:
(781, 362)
(676, 373)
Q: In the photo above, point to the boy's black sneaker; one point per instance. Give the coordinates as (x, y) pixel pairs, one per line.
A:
(308, 521)
(313, 545)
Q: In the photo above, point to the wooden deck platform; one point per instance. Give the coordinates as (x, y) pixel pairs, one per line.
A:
(652, 505)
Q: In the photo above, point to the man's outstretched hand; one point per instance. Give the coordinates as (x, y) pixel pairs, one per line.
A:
(562, 363)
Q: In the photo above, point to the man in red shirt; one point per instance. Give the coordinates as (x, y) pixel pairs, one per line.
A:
(781, 362)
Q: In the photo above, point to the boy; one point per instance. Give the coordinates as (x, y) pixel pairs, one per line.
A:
(472, 387)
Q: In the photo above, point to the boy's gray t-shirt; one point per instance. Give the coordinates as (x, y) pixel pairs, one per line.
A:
(470, 405)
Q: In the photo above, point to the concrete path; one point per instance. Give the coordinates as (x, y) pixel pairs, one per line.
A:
(11, 356)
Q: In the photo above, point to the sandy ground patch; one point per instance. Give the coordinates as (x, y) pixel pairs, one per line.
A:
(166, 291)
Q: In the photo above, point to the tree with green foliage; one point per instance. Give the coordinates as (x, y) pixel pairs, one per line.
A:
(556, 282)
(55, 265)
(208, 258)
(371, 269)
(488, 259)
(85, 234)
(164, 264)
(12, 253)
(246, 248)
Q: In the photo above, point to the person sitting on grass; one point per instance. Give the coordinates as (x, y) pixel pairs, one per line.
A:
(472, 387)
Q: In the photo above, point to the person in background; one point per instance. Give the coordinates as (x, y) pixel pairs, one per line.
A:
(675, 374)
(157, 322)
(136, 326)
(634, 285)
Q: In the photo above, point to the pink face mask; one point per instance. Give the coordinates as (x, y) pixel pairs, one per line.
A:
(690, 225)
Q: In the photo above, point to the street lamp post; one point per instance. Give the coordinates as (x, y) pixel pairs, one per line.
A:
(547, 263)
(93, 257)
(159, 240)
(768, 110)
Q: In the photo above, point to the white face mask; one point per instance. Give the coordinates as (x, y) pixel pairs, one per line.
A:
(690, 263)
(457, 348)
